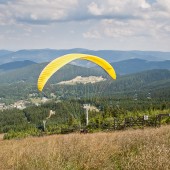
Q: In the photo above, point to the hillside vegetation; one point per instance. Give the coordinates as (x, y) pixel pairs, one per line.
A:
(131, 149)
(70, 116)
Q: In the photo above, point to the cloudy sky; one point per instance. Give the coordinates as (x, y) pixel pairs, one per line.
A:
(92, 24)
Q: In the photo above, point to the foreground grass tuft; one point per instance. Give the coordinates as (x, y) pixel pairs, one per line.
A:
(131, 149)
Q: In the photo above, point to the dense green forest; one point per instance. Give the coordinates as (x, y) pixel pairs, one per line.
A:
(69, 114)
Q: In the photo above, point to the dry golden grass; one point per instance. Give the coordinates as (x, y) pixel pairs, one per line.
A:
(1, 136)
(147, 149)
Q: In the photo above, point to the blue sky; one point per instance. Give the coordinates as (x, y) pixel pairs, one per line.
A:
(92, 24)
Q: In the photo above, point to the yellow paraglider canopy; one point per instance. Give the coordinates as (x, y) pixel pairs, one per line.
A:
(56, 64)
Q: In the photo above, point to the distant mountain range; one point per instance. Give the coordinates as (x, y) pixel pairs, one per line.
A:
(137, 72)
(46, 55)
(121, 67)
(132, 74)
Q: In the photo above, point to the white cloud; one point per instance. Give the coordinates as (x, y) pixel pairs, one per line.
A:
(47, 11)
(81, 20)
(124, 30)
(94, 34)
(95, 9)
(119, 9)
(132, 18)
(163, 5)
(35, 11)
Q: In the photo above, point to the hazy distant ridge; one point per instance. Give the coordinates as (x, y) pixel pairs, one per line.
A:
(45, 55)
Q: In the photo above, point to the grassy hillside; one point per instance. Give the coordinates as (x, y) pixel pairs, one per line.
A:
(131, 149)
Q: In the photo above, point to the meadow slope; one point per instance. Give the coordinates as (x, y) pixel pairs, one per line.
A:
(131, 149)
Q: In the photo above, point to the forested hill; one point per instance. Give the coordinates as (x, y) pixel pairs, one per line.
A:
(156, 82)
(138, 65)
(30, 73)
(142, 81)
(15, 65)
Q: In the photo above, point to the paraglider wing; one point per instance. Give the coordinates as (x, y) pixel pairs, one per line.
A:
(56, 64)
